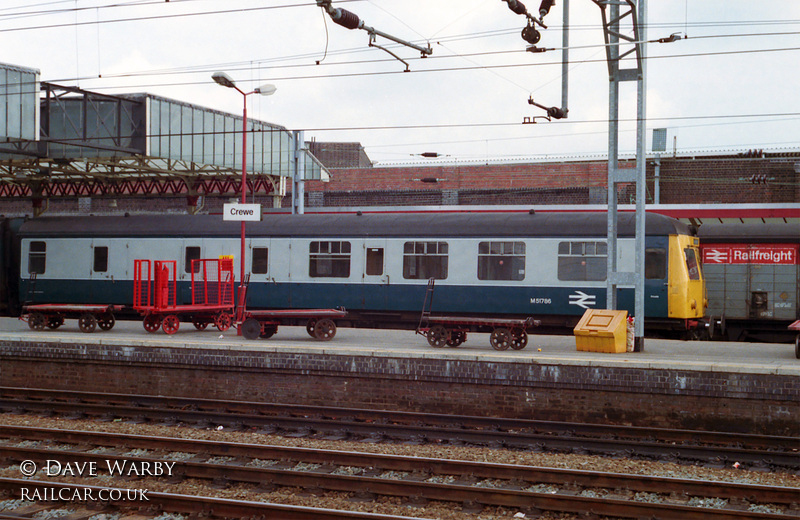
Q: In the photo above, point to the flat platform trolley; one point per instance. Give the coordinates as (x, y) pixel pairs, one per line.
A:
(52, 315)
(263, 323)
(452, 331)
(320, 323)
(155, 294)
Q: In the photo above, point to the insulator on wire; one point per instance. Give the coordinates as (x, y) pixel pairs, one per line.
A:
(531, 35)
(345, 18)
(556, 113)
(517, 6)
(545, 6)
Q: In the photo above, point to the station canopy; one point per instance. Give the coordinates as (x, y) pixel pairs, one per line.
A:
(60, 141)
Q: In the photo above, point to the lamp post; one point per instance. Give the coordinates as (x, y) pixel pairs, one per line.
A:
(264, 90)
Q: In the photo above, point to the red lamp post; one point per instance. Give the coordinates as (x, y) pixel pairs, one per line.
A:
(264, 90)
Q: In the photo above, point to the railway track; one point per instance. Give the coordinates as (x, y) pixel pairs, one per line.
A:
(527, 488)
(713, 448)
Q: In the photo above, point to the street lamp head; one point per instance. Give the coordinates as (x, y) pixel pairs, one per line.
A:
(223, 79)
(266, 90)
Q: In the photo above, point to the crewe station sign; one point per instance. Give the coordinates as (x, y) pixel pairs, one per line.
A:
(242, 212)
(764, 254)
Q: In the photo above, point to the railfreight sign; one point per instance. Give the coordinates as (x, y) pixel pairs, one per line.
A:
(763, 254)
(242, 212)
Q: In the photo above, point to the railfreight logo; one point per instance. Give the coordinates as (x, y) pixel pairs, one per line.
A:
(763, 254)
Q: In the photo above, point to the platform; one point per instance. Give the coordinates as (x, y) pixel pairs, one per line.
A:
(747, 387)
(717, 356)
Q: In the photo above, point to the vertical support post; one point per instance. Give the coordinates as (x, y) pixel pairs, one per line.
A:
(641, 178)
(299, 173)
(657, 180)
(612, 41)
(244, 184)
(565, 58)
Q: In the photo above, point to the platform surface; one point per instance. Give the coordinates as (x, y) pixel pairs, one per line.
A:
(736, 357)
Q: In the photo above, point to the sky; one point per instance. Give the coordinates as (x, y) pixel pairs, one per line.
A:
(730, 83)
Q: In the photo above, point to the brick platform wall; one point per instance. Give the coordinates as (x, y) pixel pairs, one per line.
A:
(758, 403)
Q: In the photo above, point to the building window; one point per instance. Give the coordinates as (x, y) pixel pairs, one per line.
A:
(192, 253)
(582, 261)
(100, 264)
(423, 260)
(329, 259)
(501, 261)
(260, 260)
(37, 256)
(655, 263)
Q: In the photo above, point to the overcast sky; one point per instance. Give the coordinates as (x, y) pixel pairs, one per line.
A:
(732, 85)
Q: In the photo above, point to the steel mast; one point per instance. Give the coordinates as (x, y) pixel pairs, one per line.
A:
(620, 46)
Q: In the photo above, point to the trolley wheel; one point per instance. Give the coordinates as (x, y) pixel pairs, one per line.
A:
(106, 321)
(251, 328)
(200, 323)
(37, 321)
(87, 323)
(500, 338)
(325, 329)
(223, 321)
(457, 337)
(438, 336)
(54, 322)
(268, 330)
(151, 323)
(797, 347)
(170, 323)
(311, 327)
(519, 339)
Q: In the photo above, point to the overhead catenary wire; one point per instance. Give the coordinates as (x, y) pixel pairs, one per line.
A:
(289, 66)
(156, 17)
(453, 69)
(242, 65)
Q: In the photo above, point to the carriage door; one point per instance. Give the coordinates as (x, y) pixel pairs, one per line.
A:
(108, 271)
(375, 288)
(656, 277)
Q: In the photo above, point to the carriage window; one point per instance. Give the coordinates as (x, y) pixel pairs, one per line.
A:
(100, 264)
(329, 260)
(501, 261)
(374, 261)
(582, 261)
(260, 260)
(655, 263)
(423, 260)
(37, 256)
(691, 263)
(192, 253)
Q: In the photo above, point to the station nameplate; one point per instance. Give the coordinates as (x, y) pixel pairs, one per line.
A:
(239, 212)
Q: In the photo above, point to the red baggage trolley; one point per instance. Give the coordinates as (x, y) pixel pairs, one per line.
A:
(155, 294)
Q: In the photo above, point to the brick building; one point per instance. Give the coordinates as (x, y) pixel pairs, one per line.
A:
(749, 177)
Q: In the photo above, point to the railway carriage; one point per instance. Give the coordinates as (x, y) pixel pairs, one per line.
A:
(753, 278)
(551, 266)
